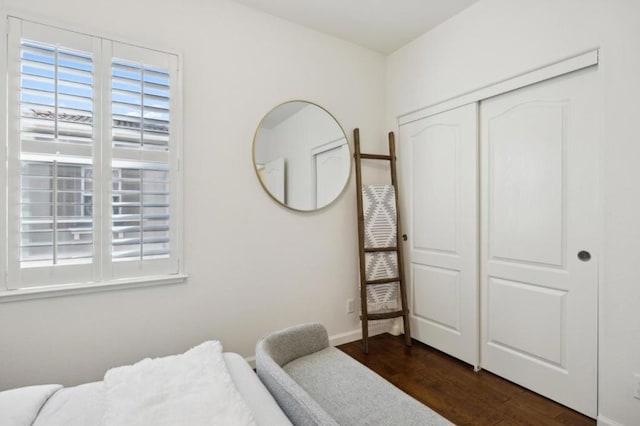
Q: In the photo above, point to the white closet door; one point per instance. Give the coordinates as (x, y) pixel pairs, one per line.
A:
(539, 211)
(275, 178)
(440, 168)
(332, 168)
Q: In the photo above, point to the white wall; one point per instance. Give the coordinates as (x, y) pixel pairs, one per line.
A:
(254, 266)
(496, 39)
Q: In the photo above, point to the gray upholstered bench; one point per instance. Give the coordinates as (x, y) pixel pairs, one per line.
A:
(316, 384)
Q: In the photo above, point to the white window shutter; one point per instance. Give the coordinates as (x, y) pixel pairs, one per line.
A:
(51, 145)
(93, 177)
(144, 213)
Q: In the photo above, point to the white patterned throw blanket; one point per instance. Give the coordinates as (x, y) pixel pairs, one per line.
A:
(192, 389)
(380, 230)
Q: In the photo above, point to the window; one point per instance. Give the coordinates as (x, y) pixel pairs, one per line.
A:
(93, 155)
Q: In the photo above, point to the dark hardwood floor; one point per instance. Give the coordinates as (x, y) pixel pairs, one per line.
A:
(454, 390)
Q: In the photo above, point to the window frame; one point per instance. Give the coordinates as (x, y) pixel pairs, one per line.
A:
(104, 274)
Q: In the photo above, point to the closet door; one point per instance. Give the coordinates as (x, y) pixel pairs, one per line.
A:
(332, 167)
(274, 178)
(540, 226)
(439, 157)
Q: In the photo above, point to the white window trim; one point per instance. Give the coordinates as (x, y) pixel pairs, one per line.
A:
(44, 292)
(29, 293)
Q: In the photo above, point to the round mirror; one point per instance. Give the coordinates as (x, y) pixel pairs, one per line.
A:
(301, 156)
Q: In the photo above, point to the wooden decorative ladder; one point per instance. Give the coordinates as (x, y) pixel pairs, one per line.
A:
(403, 312)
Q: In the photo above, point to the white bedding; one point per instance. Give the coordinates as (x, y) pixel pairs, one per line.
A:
(265, 409)
(190, 389)
(84, 405)
(75, 406)
(20, 407)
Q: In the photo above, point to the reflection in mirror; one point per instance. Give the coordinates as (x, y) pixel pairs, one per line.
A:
(301, 156)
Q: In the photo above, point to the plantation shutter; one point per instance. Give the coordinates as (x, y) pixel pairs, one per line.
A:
(140, 102)
(56, 93)
(143, 196)
(92, 159)
(51, 154)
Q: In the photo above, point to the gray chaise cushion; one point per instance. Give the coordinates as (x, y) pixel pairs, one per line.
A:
(353, 394)
(276, 350)
(315, 384)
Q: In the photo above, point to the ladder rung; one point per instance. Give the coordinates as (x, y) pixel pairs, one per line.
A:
(379, 249)
(375, 157)
(383, 281)
(384, 315)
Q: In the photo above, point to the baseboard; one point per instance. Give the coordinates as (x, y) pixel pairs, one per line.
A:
(397, 327)
(604, 421)
(350, 336)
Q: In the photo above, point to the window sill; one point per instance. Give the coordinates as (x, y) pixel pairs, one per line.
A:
(73, 289)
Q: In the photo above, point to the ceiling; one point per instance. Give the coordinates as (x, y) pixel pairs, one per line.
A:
(381, 25)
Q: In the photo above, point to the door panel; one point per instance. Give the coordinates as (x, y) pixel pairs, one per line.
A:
(539, 209)
(528, 319)
(275, 179)
(526, 222)
(437, 296)
(332, 168)
(440, 159)
(435, 196)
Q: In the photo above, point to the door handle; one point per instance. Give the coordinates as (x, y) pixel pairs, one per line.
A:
(404, 237)
(584, 255)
